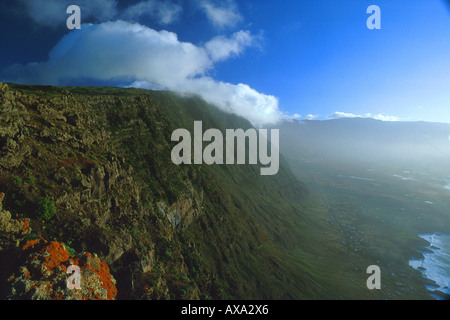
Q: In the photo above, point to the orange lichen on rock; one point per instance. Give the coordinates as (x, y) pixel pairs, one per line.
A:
(94, 265)
(45, 274)
(26, 225)
(55, 253)
(27, 274)
(31, 244)
(107, 283)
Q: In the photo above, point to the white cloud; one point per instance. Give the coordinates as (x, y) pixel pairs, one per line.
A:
(337, 115)
(385, 117)
(311, 117)
(225, 15)
(221, 48)
(166, 12)
(52, 13)
(143, 57)
(240, 99)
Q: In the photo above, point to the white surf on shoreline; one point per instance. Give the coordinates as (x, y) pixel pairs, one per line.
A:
(435, 265)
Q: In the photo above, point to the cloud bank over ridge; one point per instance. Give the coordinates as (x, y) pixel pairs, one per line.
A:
(143, 57)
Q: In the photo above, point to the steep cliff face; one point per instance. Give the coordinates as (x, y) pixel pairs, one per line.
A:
(89, 170)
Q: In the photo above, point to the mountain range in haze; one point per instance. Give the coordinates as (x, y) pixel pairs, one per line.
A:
(367, 141)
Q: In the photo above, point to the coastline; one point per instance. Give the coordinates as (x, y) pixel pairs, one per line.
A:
(435, 264)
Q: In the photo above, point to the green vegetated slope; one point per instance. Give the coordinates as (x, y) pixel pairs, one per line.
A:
(91, 168)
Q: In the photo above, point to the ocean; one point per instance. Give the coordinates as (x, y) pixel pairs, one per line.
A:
(435, 264)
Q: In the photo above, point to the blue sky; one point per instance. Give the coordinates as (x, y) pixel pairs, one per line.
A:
(265, 60)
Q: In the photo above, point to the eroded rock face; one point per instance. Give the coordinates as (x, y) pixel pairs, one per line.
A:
(43, 275)
(55, 140)
(37, 270)
(184, 211)
(11, 230)
(13, 117)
